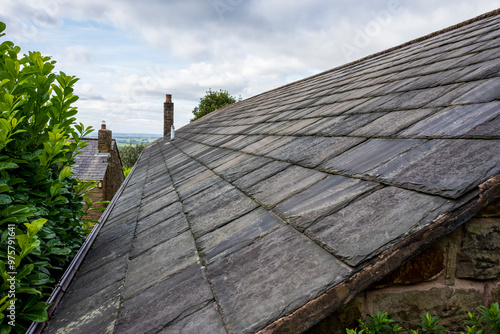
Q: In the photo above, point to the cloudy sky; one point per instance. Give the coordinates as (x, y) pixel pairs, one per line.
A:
(128, 54)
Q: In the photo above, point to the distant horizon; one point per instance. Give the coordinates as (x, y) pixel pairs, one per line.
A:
(127, 134)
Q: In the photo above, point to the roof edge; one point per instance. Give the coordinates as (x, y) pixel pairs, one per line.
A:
(70, 272)
(320, 307)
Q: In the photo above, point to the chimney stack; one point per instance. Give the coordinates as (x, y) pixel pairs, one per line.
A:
(168, 115)
(104, 139)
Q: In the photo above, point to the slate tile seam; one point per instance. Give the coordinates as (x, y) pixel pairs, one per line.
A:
(339, 208)
(359, 176)
(229, 183)
(202, 267)
(182, 316)
(123, 280)
(263, 206)
(122, 300)
(439, 108)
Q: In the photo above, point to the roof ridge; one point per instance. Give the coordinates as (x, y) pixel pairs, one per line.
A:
(394, 48)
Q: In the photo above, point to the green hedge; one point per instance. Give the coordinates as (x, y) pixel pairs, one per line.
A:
(40, 202)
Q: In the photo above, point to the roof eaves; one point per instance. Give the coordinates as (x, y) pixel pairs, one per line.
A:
(318, 308)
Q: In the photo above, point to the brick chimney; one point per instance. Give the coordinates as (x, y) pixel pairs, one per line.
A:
(168, 115)
(104, 139)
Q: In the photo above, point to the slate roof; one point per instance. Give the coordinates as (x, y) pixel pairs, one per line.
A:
(272, 212)
(90, 164)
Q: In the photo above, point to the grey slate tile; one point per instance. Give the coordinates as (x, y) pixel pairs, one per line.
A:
(367, 226)
(238, 234)
(238, 168)
(312, 151)
(392, 123)
(197, 183)
(262, 173)
(487, 129)
(149, 206)
(158, 184)
(206, 320)
(256, 146)
(166, 213)
(205, 216)
(454, 121)
(227, 158)
(159, 263)
(98, 278)
(370, 154)
(188, 173)
(443, 167)
(321, 199)
(271, 145)
(158, 234)
(270, 278)
(80, 312)
(278, 187)
(171, 299)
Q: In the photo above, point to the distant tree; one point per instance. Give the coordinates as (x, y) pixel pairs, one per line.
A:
(213, 100)
(130, 153)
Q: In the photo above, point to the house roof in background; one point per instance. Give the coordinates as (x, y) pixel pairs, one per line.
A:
(272, 212)
(90, 164)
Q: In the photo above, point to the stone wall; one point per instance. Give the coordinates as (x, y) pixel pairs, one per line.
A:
(455, 275)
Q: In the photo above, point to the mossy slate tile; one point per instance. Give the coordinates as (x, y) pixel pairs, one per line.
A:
(270, 278)
(85, 313)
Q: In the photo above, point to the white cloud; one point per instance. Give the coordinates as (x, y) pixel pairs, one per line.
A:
(128, 54)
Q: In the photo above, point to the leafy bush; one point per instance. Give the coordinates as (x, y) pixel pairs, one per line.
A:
(40, 202)
(212, 100)
(486, 322)
(129, 155)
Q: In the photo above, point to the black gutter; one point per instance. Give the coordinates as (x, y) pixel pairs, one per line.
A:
(64, 282)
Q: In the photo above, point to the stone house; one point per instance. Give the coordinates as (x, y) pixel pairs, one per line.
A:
(100, 161)
(372, 186)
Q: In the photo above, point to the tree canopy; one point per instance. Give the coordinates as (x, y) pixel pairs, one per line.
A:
(213, 100)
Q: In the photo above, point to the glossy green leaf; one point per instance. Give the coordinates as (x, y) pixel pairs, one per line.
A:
(5, 199)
